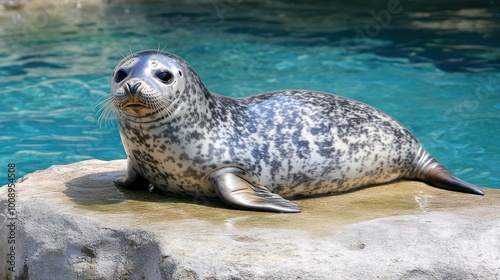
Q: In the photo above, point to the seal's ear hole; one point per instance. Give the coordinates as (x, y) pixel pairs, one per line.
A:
(120, 75)
(165, 76)
(180, 73)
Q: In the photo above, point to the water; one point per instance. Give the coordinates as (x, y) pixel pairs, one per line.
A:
(433, 66)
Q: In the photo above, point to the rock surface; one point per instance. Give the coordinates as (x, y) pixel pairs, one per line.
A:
(73, 223)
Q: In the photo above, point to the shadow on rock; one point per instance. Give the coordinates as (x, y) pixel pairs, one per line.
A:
(99, 189)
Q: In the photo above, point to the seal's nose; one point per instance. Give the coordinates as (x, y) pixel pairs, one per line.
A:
(132, 89)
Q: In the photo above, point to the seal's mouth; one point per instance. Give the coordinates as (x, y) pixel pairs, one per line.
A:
(142, 107)
(134, 106)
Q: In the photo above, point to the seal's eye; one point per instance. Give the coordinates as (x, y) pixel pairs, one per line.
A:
(120, 75)
(165, 76)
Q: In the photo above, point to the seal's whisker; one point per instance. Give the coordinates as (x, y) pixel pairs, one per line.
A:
(172, 108)
(150, 103)
(163, 106)
(119, 52)
(103, 112)
(103, 118)
(158, 108)
(111, 113)
(106, 112)
(159, 51)
(164, 47)
(107, 109)
(101, 101)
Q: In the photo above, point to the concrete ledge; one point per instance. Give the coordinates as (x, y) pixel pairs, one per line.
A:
(73, 223)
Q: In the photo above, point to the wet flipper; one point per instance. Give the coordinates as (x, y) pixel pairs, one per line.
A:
(442, 178)
(429, 170)
(237, 190)
(132, 180)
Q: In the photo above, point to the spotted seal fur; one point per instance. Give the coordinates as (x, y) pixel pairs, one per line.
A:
(251, 152)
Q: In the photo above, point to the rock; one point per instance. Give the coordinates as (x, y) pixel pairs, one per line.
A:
(73, 223)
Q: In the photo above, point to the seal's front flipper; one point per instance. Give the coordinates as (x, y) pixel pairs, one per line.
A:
(236, 189)
(132, 179)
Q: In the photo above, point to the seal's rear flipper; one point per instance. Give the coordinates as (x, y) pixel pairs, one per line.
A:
(428, 170)
(442, 178)
(236, 189)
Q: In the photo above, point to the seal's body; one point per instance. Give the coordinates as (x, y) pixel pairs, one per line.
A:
(186, 140)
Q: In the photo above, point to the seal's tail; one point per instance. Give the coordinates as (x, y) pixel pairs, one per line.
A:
(428, 170)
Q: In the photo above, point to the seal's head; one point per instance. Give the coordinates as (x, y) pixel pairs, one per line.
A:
(147, 86)
(146, 83)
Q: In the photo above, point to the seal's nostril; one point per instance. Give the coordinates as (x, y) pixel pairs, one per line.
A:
(132, 88)
(127, 88)
(136, 87)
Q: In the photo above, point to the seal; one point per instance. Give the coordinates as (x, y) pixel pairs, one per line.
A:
(252, 152)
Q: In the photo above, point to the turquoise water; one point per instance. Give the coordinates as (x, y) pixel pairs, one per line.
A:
(433, 66)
